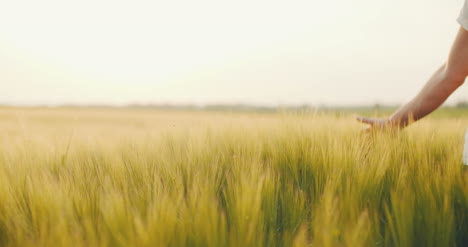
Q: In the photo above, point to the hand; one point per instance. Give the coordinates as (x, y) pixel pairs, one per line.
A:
(376, 123)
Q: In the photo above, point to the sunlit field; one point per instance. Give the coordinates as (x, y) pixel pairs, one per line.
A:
(142, 177)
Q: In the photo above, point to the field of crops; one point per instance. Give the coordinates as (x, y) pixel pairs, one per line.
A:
(141, 177)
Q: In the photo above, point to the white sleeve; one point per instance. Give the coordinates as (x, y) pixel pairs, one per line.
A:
(463, 18)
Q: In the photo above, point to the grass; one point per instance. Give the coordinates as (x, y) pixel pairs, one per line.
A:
(116, 177)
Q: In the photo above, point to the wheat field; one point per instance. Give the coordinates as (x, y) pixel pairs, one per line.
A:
(142, 177)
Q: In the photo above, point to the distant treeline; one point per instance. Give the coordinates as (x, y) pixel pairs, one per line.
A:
(381, 108)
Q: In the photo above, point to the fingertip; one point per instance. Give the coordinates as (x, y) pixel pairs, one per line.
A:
(360, 118)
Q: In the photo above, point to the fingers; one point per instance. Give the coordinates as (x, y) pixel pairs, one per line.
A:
(366, 120)
(377, 124)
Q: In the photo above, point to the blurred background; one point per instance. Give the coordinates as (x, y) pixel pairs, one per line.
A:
(264, 53)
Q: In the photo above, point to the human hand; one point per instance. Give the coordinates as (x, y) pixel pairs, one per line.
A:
(377, 123)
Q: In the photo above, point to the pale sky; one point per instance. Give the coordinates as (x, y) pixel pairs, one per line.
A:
(335, 52)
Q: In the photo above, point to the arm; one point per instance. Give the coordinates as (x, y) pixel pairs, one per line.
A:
(439, 87)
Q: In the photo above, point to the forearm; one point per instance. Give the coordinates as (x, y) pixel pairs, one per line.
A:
(439, 87)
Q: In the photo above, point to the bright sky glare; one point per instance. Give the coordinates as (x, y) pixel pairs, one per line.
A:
(335, 52)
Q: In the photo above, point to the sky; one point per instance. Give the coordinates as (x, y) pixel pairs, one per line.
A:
(316, 52)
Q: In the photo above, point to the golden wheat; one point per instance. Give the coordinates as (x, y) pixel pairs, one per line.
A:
(120, 177)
